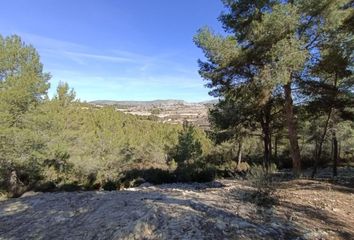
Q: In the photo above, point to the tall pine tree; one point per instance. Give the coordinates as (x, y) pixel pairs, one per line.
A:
(271, 44)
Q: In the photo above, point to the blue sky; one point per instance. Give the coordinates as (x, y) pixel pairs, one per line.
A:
(119, 50)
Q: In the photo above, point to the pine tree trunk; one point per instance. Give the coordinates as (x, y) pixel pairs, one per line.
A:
(335, 152)
(292, 131)
(265, 123)
(316, 150)
(319, 149)
(239, 153)
(339, 150)
(276, 147)
(334, 135)
(270, 145)
(266, 150)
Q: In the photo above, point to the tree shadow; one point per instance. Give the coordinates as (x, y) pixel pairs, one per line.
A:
(344, 182)
(221, 223)
(71, 215)
(141, 214)
(285, 210)
(188, 173)
(192, 186)
(319, 184)
(332, 223)
(168, 211)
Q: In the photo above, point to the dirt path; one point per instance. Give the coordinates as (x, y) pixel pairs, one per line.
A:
(220, 210)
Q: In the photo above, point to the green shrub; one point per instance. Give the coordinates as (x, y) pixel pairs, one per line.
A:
(45, 186)
(110, 185)
(151, 175)
(70, 187)
(264, 185)
(204, 175)
(188, 147)
(243, 167)
(258, 171)
(193, 172)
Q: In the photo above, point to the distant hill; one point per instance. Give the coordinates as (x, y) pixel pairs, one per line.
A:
(166, 111)
(214, 101)
(167, 102)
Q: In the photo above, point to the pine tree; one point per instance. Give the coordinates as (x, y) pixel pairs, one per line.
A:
(64, 94)
(23, 84)
(271, 44)
(188, 147)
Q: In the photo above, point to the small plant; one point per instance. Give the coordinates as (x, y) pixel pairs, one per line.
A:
(263, 182)
(188, 147)
(243, 167)
(110, 185)
(57, 169)
(152, 175)
(195, 172)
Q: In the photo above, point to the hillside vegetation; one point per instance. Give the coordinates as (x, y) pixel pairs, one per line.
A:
(284, 78)
(271, 158)
(62, 141)
(50, 143)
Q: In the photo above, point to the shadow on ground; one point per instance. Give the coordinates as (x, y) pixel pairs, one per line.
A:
(131, 214)
(172, 211)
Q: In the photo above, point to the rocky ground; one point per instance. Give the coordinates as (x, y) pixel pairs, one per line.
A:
(303, 209)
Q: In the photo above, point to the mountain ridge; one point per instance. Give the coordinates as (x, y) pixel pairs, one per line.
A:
(150, 102)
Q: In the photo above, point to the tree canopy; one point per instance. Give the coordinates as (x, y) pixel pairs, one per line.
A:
(273, 47)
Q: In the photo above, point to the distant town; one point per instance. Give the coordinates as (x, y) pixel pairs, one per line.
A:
(165, 111)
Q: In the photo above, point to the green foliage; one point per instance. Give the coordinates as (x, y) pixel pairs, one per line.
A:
(258, 172)
(151, 175)
(104, 143)
(265, 187)
(110, 185)
(224, 158)
(188, 148)
(23, 85)
(223, 153)
(264, 194)
(62, 143)
(270, 48)
(195, 172)
(187, 157)
(64, 95)
(58, 168)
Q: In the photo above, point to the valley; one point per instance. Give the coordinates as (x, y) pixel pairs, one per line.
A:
(165, 111)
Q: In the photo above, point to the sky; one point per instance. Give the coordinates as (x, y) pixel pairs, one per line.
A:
(117, 49)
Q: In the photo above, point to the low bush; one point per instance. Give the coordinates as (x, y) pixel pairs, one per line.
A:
(47, 186)
(195, 173)
(264, 184)
(110, 185)
(70, 187)
(151, 175)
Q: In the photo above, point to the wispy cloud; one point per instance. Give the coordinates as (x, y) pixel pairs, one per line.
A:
(43, 42)
(118, 74)
(97, 57)
(109, 86)
(84, 55)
